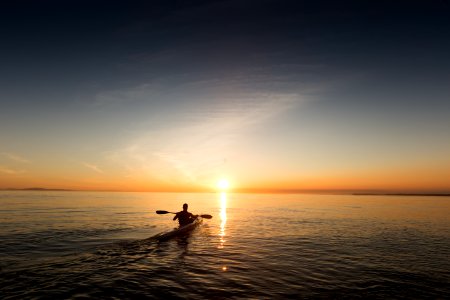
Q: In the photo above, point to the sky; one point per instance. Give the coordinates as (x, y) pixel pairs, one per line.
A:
(270, 95)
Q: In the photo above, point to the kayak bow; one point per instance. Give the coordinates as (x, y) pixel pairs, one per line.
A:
(178, 231)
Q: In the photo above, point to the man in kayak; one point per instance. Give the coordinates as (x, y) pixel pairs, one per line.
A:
(184, 217)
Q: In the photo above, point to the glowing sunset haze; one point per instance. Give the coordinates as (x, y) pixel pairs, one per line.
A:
(269, 98)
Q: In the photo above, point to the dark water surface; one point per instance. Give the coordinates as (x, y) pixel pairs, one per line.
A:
(95, 245)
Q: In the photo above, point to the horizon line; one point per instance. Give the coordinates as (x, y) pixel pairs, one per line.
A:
(356, 192)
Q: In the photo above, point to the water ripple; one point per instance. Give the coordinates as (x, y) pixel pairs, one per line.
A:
(292, 250)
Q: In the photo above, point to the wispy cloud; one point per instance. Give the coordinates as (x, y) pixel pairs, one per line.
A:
(143, 92)
(10, 171)
(211, 131)
(177, 86)
(194, 121)
(14, 157)
(93, 167)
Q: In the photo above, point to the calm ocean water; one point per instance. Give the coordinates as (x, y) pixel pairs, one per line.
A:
(95, 245)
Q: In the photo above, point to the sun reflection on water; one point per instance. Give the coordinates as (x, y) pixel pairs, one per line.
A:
(223, 219)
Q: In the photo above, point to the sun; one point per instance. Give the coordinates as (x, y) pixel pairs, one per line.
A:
(223, 184)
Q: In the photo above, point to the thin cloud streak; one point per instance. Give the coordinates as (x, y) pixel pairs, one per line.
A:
(126, 96)
(93, 168)
(15, 157)
(10, 171)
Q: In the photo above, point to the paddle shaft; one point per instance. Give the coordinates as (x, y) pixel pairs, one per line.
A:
(163, 212)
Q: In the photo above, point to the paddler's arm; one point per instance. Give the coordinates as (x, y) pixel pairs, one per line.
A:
(176, 217)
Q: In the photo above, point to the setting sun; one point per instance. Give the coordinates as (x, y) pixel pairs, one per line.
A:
(223, 184)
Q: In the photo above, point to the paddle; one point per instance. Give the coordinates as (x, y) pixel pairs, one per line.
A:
(163, 212)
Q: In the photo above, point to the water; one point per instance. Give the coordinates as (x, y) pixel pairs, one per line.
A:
(95, 245)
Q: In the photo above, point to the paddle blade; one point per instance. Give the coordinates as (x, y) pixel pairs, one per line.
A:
(206, 216)
(162, 212)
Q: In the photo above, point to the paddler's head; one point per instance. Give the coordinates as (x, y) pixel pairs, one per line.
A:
(185, 207)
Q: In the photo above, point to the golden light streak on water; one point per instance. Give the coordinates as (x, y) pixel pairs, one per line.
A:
(223, 219)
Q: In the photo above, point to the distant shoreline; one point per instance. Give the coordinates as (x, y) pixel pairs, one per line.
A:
(402, 194)
(39, 189)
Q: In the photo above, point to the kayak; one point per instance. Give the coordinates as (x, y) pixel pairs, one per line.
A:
(178, 231)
